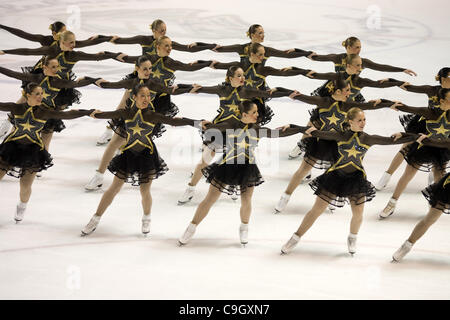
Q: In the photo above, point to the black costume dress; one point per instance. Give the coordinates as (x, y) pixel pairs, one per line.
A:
(237, 170)
(23, 151)
(346, 180)
(328, 116)
(139, 160)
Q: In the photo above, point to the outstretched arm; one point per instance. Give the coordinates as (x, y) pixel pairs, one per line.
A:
(286, 72)
(19, 75)
(156, 117)
(292, 53)
(194, 66)
(393, 139)
(63, 83)
(385, 67)
(238, 48)
(66, 115)
(195, 47)
(8, 106)
(384, 83)
(30, 52)
(43, 40)
(92, 41)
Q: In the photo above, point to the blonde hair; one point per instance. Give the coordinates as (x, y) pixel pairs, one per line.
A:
(155, 24)
(161, 39)
(351, 115)
(63, 36)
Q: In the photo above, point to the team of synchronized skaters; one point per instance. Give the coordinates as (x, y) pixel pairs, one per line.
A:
(333, 140)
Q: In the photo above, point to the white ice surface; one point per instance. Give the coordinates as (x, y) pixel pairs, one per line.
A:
(44, 257)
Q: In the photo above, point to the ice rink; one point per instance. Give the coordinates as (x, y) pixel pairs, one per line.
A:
(44, 257)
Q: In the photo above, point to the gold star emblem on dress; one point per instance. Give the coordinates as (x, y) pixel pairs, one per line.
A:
(241, 145)
(439, 128)
(233, 107)
(27, 126)
(45, 95)
(137, 129)
(157, 74)
(249, 82)
(352, 152)
(333, 119)
(139, 132)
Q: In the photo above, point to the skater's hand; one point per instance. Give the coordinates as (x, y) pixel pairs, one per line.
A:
(383, 80)
(113, 39)
(375, 102)
(294, 94)
(2, 52)
(310, 130)
(310, 74)
(93, 113)
(395, 105)
(204, 123)
(99, 82)
(213, 63)
(93, 37)
(289, 50)
(286, 69)
(421, 137)
(79, 79)
(283, 128)
(410, 72)
(404, 85)
(121, 56)
(195, 87)
(192, 45)
(216, 47)
(396, 136)
(312, 55)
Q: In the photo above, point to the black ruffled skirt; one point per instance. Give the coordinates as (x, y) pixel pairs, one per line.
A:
(137, 167)
(438, 195)
(412, 124)
(424, 158)
(338, 187)
(319, 153)
(233, 178)
(19, 159)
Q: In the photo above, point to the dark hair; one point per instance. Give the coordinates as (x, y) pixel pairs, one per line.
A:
(56, 26)
(252, 29)
(443, 93)
(443, 73)
(245, 106)
(47, 60)
(253, 48)
(140, 60)
(155, 24)
(29, 88)
(138, 88)
(230, 73)
(339, 84)
(349, 42)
